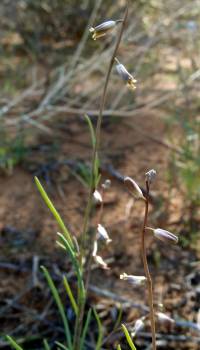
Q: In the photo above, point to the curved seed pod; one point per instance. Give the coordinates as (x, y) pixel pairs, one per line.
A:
(126, 76)
(102, 29)
(134, 280)
(133, 188)
(165, 236)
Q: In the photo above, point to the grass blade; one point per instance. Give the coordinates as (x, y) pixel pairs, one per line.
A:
(91, 128)
(70, 295)
(61, 345)
(119, 347)
(100, 331)
(74, 262)
(53, 210)
(128, 337)
(59, 305)
(85, 329)
(13, 343)
(46, 345)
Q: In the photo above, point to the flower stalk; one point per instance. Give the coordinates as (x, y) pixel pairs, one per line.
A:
(146, 269)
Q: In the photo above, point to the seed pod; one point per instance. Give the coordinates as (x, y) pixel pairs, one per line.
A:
(133, 188)
(165, 236)
(134, 280)
(102, 29)
(97, 197)
(126, 76)
(150, 176)
(163, 318)
(103, 234)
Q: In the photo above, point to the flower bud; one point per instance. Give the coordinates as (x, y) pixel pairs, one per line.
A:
(163, 318)
(133, 188)
(139, 325)
(97, 197)
(150, 176)
(126, 76)
(106, 185)
(134, 280)
(102, 29)
(103, 234)
(165, 236)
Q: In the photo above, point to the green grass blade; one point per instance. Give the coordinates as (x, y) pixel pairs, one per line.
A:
(70, 295)
(75, 263)
(119, 318)
(13, 343)
(61, 345)
(85, 329)
(100, 331)
(91, 128)
(119, 347)
(46, 345)
(59, 305)
(128, 337)
(53, 210)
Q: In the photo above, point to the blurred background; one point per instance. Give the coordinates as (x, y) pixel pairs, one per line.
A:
(52, 73)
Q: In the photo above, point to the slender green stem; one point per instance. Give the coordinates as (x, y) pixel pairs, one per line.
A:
(146, 270)
(81, 302)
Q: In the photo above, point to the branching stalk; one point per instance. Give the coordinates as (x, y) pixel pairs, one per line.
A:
(146, 270)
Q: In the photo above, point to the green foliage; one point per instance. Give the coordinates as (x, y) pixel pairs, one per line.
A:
(12, 151)
(53, 211)
(128, 337)
(187, 164)
(100, 331)
(13, 343)
(60, 306)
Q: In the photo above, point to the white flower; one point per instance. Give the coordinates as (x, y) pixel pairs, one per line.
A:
(103, 234)
(126, 76)
(134, 280)
(165, 236)
(97, 197)
(139, 325)
(98, 259)
(133, 188)
(164, 318)
(102, 29)
(150, 176)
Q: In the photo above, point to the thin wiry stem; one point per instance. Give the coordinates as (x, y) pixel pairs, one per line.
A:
(146, 270)
(81, 302)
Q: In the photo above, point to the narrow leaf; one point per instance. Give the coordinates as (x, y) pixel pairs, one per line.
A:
(85, 329)
(100, 331)
(13, 343)
(70, 295)
(59, 304)
(91, 128)
(128, 337)
(119, 347)
(61, 345)
(53, 210)
(46, 345)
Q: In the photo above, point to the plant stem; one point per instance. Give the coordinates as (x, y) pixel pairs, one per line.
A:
(146, 270)
(81, 302)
